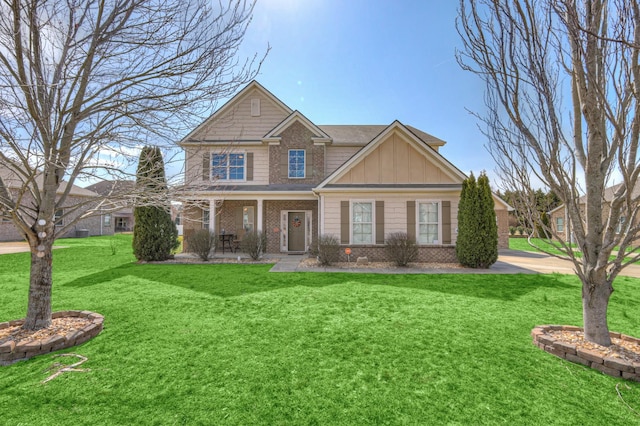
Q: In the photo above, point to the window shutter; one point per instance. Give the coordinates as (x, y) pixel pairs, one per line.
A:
(249, 165)
(206, 166)
(379, 222)
(446, 222)
(284, 164)
(308, 164)
(411, 220)
(344, 222)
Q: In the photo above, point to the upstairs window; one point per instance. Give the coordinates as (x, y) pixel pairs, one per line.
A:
(296, 163)
(620, 225)
(227, 166)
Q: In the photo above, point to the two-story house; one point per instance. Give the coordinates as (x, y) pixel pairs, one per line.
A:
(255, 164)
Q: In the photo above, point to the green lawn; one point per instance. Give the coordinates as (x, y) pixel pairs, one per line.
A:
(235, 344)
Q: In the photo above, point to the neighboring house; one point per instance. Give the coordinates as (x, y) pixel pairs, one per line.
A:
(560, 220)
(257, 165)
(121, 219)
(94, 225)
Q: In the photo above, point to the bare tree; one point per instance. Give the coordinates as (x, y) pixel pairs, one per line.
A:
(84, 84)
(562, 82)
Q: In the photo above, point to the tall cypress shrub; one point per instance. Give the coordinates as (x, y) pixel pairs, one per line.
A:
(477, 242)
(154, 233)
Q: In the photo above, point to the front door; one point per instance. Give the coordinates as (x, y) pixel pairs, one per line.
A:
(296, 231)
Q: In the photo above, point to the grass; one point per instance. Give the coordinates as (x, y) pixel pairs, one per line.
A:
(235, 344)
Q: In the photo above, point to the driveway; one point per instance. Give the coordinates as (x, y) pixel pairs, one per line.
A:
(545, 264)
(14, 247)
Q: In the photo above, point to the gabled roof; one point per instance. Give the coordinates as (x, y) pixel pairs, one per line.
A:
(446, 166)
(349, 134)
(296, 116)
(231, 102)
(13, 180)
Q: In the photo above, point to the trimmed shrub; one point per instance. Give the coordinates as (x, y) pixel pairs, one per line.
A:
(401, 249)
(477, 243)
(154, 233)
(328, 249)
(202, 242)
(254, 244)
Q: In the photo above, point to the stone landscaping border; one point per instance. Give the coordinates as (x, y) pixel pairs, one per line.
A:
(615, 367)
(11, 352)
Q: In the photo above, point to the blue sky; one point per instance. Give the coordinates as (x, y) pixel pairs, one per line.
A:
(372, 62)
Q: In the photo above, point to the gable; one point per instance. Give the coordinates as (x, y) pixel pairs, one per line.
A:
(397, 158)
(248, 116)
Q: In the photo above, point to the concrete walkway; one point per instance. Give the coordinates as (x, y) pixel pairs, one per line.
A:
(509, 262)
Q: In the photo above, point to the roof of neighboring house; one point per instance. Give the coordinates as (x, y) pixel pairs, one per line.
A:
(361, 134)
(12, 180)
(107, 187)
(607, 195)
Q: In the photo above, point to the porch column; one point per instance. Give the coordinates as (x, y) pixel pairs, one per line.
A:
(212, 215)
(260, 214)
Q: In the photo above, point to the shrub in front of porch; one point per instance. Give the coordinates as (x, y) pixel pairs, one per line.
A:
(202, 242)
(254, 244)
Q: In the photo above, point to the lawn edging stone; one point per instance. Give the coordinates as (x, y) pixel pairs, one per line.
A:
(10, 352)
(610, 366)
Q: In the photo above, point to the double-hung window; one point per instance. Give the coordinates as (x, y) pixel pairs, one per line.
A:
(57, 217)
(228, 166)
(205, 218)
(559, 224)
(620, 225)
(429, 222)
(296, 163)
(107, 219)
(362, 222)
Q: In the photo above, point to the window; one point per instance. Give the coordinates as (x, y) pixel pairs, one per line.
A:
(429, 223)
(247, 218)
(178, 220)
(57, 217)
(227, 166)
(362, 223)
(107, 219)
(205, 218)
(559, 224)
(296, 163)
(620, 224)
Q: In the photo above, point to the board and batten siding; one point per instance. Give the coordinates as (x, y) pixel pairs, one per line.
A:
(395, 161)
(238, 123)
(395, 210)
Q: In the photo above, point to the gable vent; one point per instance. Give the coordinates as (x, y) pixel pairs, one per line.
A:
(255, 107)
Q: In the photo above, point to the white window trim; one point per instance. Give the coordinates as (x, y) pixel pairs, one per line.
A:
(211, 167)
(104, 219)
(373, 221)
(558, 227)
(304, 166)
(418, 202)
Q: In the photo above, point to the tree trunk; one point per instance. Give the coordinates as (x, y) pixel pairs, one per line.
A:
(595, 300)
(40, 283)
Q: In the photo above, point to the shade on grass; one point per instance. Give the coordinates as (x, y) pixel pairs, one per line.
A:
(235, 344)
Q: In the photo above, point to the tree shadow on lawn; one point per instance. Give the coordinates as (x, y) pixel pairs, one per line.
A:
(235, 280)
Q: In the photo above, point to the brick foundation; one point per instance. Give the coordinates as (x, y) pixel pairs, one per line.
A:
(432, 254)
(10, 352)
(610, 366)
